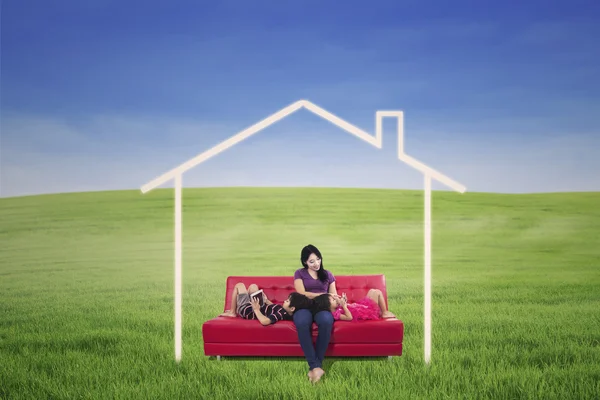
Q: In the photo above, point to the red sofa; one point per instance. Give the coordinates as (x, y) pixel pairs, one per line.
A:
(227, 336)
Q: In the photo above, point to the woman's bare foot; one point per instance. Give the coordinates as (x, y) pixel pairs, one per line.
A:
(387, 314)
(315, 374)
(228, 313)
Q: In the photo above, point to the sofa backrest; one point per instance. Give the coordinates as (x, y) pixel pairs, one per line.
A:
(278, 288)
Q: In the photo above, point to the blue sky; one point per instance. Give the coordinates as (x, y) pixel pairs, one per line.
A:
(105, 95)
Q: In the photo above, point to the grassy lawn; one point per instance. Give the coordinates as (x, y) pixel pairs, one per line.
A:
(86, 292)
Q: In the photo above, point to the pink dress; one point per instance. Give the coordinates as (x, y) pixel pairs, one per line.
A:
(364, 309)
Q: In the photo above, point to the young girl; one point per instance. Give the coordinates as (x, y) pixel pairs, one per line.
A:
(369, 308)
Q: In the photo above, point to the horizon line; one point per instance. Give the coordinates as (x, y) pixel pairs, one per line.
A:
(74, 192)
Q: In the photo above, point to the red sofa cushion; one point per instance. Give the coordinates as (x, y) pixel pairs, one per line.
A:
(238, 330)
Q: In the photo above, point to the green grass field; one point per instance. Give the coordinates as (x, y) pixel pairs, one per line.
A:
(86, 292)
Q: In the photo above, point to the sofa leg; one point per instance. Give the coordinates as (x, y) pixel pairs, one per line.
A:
(389, 358)
(218, 358)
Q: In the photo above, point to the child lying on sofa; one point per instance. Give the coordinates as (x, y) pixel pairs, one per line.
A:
(245, 307)
(370, 307)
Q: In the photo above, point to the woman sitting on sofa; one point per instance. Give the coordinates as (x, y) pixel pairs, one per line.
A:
(312, 280)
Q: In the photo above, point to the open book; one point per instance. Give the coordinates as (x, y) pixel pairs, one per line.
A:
(259, 295)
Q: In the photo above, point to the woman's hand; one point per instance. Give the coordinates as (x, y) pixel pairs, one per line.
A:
(337, 296)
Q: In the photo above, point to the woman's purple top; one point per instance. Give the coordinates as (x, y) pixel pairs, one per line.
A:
(311, 284)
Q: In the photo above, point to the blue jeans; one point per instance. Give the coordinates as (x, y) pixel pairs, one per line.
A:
(303, 319)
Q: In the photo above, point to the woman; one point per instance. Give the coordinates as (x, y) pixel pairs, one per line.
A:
(312, 280)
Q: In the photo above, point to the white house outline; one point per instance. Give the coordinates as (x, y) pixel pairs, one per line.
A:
(428, 174)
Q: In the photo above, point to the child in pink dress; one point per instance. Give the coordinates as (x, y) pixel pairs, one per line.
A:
(369, 308)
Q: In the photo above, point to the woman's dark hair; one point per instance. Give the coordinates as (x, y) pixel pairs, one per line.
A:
(305, 253)
(300, 301)
(321, 303)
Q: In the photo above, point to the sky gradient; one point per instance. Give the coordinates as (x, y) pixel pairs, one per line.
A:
(105, 95)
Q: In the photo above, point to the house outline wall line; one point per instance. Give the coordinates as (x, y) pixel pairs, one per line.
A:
(376, 141)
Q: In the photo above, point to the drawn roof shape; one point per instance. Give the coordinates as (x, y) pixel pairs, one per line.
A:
(361, 134)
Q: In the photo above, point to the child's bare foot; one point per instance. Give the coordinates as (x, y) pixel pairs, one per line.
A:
(387, 314)
(228, 313)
